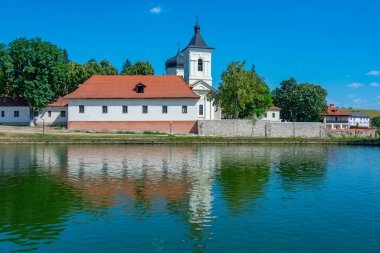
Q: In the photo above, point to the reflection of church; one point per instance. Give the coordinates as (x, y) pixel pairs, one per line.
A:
(194, 64)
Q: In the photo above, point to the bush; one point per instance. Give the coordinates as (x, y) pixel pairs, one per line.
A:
(376, 121)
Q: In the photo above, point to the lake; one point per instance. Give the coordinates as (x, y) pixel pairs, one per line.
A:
(189, 198)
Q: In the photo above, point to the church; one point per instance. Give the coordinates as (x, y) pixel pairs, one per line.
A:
(170, 103)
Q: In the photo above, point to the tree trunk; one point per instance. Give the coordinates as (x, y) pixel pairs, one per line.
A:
(236, 114)
(31, 116)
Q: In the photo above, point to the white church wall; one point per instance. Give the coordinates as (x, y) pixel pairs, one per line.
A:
(175, 72)
(192, 75)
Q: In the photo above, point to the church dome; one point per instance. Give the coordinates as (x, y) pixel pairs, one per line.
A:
(177, 61)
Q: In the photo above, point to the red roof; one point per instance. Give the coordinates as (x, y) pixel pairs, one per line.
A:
(274, 108)
(108, 87)
(333, 111)
(59, 102)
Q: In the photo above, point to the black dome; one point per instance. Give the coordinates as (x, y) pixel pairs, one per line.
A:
(177, 61)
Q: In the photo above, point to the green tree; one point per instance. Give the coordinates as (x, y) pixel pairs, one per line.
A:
(304, 102)
(376, 121)
(33, 69)
(76, 76)
(242, 93)
(92, 67)
(139, 68)
(108, 68)
(6, 70)
(126, 65)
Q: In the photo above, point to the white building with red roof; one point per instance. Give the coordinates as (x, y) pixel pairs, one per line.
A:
(335, 118)
(53, 114)
(272, 114)
(133, 103)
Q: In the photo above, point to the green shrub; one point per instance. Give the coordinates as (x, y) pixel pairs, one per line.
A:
(376, 121)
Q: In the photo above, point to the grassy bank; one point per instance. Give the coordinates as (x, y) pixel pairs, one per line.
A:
(370, 113)
(161, 139)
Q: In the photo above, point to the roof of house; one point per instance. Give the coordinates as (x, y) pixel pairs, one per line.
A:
(333, 111)
(59, 102)
(118, 87)
(274, 108)
(359, 115)
(197, 41)
(177, 61)
(9, 101)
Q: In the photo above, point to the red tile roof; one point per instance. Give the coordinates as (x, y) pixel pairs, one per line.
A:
(59, 102)
(108, 87)
(333, 111)
(274, 108)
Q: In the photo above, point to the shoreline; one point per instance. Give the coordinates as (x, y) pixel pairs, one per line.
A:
(67, 138)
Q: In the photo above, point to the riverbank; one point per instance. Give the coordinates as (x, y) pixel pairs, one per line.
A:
(152, 138)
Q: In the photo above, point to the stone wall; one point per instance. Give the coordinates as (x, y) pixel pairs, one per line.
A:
(260, 128)
(360, 133)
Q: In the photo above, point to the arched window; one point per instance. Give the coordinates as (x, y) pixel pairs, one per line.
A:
(201, 110)
(200, 65)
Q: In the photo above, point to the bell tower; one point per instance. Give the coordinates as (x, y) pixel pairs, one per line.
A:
(197, 59)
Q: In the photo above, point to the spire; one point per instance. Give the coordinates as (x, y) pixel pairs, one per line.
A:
(197, 41)
(197, 27)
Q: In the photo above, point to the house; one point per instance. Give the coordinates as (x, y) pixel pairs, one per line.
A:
(134, 103)
(335, 118)
(272, 114)
(14, 111)
(359, 119)
(54, 113)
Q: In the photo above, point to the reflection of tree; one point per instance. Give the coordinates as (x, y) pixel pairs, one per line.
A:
(242, 181)
(302, 167)
(34, 206)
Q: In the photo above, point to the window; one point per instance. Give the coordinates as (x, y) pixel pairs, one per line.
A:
(145, 109)
(140, 88)
(184, 109)
(105, 109)
(81, 109)
(266, 115)
(273, 115)
(200, 65)
(16, 114)
(63, 114)
(164, 109)
(2, 114)
(49, 114)
(125, 109)
(201, 110)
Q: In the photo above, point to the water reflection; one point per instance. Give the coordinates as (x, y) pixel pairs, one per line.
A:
(43, 187)
(300, 169)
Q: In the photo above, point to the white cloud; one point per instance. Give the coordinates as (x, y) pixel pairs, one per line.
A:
(375, 84)
(359, 101)
(355, 85)
(374, 73)
(156, 10)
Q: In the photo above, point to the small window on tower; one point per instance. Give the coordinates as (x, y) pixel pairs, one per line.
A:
(200, 65)
(201, 110)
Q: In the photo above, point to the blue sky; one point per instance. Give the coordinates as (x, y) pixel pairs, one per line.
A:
(332, 43)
